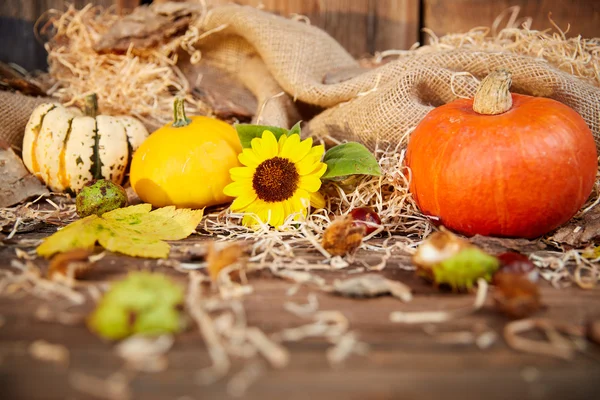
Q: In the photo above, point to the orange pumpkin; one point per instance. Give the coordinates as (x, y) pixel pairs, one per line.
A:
(502, 164)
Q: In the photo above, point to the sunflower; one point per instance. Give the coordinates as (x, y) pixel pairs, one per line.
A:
(279, 179)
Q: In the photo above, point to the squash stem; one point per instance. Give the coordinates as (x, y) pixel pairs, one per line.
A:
(91, 105)
(179, 118)
(493, 95)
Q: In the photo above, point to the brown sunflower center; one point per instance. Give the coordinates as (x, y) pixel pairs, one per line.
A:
(275, 179)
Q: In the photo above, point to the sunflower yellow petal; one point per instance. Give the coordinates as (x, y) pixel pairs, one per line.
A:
(281, 143)
(235, 189)
(317, 200)
(269, 145)
(320, 170)
(257, 147)
(254, 214)
(310, 183)
(249, 158)
(243, 201)
(301, 150)
(306, 166)
(314, 156)
(277, 215)
(239, 173)
(265, 214)
(287, 208)
(250, 220)
(295, 205)
(316, 169)
(316, 152)
(301, 199)
(290, 146)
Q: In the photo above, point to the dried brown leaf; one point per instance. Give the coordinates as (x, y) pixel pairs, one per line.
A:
(515, 295)
(219, 258)
(16, 182)
(580, 232)
(223, 92)
(12, 78)
(493, 245)
(370, 286)
(342, 236)
(147, 27)
(72, 264)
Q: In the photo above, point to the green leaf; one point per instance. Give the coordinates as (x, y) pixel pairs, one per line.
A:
(350, 159)
(134, 231)
(247, 132)
(295, 129)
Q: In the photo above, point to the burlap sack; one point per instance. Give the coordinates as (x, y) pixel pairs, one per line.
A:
(273, 55)
(15, 110)
(382, 104)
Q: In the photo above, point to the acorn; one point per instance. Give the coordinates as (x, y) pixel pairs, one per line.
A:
(99, 197)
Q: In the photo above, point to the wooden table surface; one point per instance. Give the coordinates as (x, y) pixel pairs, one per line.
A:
(403, 362)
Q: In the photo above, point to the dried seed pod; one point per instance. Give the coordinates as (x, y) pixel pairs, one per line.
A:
(343, 236)
(446, 259)
(515, 295)
(142, 303)
(519, 264)
(367, 217)
(100, 197)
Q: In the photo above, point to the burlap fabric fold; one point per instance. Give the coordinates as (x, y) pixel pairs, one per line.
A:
(382, 104)
(15, 109)
(273, 55)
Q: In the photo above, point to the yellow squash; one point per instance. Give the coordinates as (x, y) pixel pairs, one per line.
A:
(186, 163)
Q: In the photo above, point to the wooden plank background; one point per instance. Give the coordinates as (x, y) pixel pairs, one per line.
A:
(361, 26)
(444, 16)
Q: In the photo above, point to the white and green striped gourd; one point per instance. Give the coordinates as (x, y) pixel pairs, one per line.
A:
(66, 150)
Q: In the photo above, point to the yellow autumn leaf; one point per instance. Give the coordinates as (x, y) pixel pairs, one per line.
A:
(134, 231)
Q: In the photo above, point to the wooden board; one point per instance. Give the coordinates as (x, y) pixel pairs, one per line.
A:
(403, 361)
(443, 16)
(30, 10)
(17, 21)
(362, 26)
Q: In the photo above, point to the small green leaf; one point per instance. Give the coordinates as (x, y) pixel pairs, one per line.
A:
(350, 159)
(295, 129)
(247, 132)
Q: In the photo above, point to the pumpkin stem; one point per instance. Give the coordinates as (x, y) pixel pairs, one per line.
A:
(179, 118)
(493, 95)
(91, 105)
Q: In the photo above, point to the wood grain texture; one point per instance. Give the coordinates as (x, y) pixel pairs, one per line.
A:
(17, 20)
(443, 16)
(403, 361)
(30, 10)
(361, 26)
